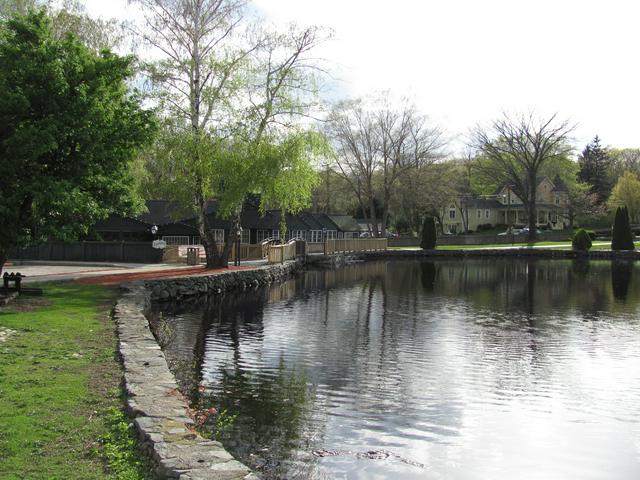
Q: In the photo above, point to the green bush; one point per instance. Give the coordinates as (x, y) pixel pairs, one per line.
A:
(485, 226)
(429, 234)
(581, 240)
(622, 237)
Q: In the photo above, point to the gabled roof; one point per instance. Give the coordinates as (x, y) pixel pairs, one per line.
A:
(325, 221)
(345, 223)
(559, 185)
(116, 223)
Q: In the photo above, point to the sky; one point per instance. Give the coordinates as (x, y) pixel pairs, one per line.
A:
(465, 62)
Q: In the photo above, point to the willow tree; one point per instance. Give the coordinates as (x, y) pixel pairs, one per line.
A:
(230, 93)
(512, 151)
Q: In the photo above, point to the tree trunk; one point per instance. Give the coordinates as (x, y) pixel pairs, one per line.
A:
(532, 213)
(374, 218)
(3, 259)
(385, 219)
(207, 237)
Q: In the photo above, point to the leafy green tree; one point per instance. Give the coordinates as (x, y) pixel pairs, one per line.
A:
(429, 234)
(627, 193)
(595, 164)
(69, 129)
(222, 89)
(622, 236)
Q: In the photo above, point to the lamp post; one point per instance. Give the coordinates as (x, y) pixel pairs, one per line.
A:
(238, 240)
(154, 230)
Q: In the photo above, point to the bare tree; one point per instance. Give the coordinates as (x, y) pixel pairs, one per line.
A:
(375, 147)
(512, 151)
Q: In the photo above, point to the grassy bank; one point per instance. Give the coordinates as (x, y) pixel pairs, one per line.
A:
(60, 406)
(566, 245)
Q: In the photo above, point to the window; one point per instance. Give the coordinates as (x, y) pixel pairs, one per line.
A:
(479, 213)
(486, 213)
(176, 239)
(452, 213)
(297, 234)
(246, 236)
(557, 200)
(219, 235)
(262, 235)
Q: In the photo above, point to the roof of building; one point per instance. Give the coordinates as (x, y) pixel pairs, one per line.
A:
(486, 203)
(345, 223)
(116, 223)
(559, 185)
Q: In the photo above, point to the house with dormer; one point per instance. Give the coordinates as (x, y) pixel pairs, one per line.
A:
(504, 208)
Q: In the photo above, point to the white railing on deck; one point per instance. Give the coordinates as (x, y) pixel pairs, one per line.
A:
(354, 245)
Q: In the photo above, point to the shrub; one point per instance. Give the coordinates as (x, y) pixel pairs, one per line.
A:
(429, 235)
(485, 226)
(622, 237)
(581, 240)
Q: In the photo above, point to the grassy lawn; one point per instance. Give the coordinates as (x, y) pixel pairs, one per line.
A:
(566, 245)
(60, 405)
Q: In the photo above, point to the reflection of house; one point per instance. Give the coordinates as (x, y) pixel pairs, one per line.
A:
(313, 227)
(505, 208)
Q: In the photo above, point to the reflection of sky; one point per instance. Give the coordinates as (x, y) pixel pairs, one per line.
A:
(469, 390)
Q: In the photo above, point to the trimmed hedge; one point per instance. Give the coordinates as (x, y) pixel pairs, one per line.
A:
(581, 240)
(429, 234)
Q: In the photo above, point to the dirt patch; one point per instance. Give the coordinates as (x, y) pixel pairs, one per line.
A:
(118, 278)
(28, 304)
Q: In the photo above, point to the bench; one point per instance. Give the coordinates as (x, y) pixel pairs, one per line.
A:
(16, 278)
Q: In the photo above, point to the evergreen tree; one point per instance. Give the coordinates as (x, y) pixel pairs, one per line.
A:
(595, 169)
(622, 234)
(429, 235)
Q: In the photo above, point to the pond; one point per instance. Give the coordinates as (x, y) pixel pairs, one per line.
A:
(449, 369)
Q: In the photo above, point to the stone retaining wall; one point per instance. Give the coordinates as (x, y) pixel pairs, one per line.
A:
(514, 252)
(167, 434)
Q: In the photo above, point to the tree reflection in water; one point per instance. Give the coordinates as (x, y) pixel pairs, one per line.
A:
(399, 355)
(621, 273)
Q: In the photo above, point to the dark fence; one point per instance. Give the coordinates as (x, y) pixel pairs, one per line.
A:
(132, 252)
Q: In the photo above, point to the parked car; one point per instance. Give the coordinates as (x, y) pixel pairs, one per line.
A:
(518, 231)
(512, 231)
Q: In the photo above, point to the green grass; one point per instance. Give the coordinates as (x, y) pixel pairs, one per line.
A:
(60, 405)
(566, 245)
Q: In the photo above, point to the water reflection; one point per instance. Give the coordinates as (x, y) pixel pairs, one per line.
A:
(474, 369)
(621, 273)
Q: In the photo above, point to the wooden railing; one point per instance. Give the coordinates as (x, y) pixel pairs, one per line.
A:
(282, 253)
(315, 247)
(353, 245)
(178, 253)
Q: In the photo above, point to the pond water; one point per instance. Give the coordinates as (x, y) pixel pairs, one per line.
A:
(453, 369)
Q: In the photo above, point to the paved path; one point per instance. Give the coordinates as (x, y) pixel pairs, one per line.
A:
(110, 273)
